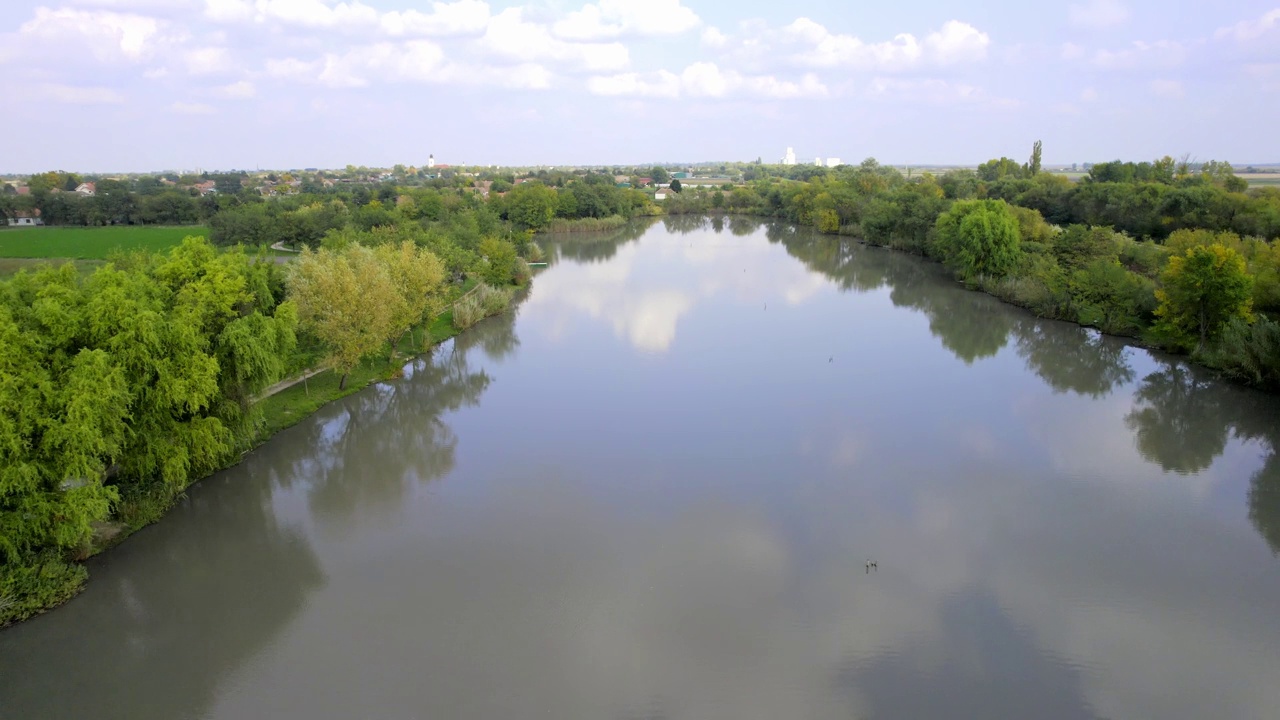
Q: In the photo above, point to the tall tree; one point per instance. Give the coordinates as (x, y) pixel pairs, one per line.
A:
(1033, 167)
(346, 298)
(418, 278)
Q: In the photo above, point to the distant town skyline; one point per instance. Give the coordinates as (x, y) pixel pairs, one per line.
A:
(142, 85)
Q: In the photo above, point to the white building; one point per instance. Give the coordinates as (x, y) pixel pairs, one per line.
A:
(833, 162)
(818, 162)
(431, 161)
(790, 157)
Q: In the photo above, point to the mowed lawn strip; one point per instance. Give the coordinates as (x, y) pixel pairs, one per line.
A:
(94, 243)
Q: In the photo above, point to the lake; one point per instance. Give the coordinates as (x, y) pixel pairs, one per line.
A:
(652, 492)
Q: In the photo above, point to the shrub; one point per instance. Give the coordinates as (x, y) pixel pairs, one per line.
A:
(522, 273)
(492, 300)
(1250, 353)
(40, 583)
(467, 312)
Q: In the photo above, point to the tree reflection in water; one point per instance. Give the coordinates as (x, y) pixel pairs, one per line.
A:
(1181, 418)
(365, 454)
(184, 604)
(1072, 359)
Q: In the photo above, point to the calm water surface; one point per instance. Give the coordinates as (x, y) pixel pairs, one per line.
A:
(651, 492)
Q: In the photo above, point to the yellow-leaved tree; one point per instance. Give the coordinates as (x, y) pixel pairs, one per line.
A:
(417, 276)
(346, 298)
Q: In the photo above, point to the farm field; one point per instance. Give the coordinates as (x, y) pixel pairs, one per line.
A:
(95, 243)
(1262, 179)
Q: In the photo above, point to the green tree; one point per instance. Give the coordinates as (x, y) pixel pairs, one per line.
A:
(1201, 291)
(979, 237)
(346, 298)
(676, 186)
(531, 205)
(418, 278)
(500, 257)
(1033, 166)
(994, 170)
(660, 175)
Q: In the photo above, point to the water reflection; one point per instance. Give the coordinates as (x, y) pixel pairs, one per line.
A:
(614, 534)
(593, 247)
(361, 457)
(1179, 420)
(979, 665)
(1264, 501)
(221, 560)
(1072, 359)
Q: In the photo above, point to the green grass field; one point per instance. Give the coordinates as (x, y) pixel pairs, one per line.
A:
(95, 243)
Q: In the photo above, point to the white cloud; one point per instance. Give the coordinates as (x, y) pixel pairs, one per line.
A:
(417, 60)
(956, 42)
(228, 10)
(662, 84)
(138, 4)
(525, 76)
(1088, 95)
(713, 38)
(1171, 89)
(292, 68)
(609, 19)
(1140, 54)
(933, 91)
(241, 90)
(1097, 14)
(1249, 30)
(465, 17)
(108, 36)
(316, 14)
(81, 95)
(185, 108)
(510, 37)
(207, 61)
(704, 80)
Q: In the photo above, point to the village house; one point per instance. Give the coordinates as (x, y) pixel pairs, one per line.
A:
(87, 189)
(26, 218)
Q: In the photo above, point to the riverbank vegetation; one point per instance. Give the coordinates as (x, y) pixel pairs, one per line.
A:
(121, 386)
(1182, 258)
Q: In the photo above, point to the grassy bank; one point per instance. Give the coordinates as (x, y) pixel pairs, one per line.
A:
(96, 243)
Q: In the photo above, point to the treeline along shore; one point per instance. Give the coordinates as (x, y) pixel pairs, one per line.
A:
(122, 385)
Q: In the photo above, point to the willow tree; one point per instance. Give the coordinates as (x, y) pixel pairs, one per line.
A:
(346, 298)
(979, 237)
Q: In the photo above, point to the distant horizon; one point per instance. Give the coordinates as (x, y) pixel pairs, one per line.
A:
(666, 164)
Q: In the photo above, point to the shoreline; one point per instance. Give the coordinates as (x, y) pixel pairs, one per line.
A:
(290, 402)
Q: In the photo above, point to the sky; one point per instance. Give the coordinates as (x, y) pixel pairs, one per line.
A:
(137, 85)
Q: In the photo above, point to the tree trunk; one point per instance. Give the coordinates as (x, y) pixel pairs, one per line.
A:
(342, 384)
(1204, 329)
